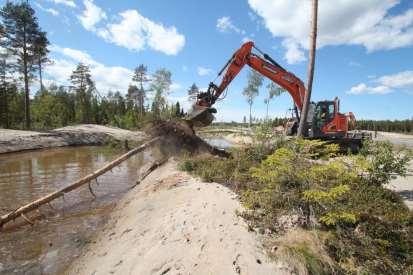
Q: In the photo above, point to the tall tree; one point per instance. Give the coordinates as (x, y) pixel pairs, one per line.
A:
(21, 31)
(313, 44)
(41, 51)
(251, 90)
(84, 87)
(273, 90)
(160, 85)
(193, 91)
(141, 77)
(133, 91)
(5, 68)
(177, 109)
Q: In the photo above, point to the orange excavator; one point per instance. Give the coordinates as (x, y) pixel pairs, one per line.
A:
(324, 120)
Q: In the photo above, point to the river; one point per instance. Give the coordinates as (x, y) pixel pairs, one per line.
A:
(68, 224)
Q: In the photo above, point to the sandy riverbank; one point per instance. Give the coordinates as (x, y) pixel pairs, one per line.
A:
(84, 134)
(174, 224)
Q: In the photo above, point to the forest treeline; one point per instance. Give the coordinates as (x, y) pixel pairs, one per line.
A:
(23, 55)
(56, 106)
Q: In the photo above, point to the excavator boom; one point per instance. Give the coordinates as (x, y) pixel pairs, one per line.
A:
(265, 65)
(325, 122)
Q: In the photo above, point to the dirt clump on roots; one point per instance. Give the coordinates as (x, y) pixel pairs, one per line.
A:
(177, 137)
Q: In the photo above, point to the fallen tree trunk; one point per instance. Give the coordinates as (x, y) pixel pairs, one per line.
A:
(46, 199)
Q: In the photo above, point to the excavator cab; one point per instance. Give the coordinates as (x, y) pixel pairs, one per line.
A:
(327, 121)
(323, 114)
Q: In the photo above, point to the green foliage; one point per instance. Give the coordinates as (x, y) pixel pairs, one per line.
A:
(233, 172)
(326, 196)
(25, 42)
(334, 218)
(385, 161)
(398, 126)
(368, 228)
(265, 140)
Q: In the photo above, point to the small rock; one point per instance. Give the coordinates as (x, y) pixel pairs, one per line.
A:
(258, 261)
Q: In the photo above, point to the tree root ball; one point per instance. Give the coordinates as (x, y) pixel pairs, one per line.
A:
(177, 137)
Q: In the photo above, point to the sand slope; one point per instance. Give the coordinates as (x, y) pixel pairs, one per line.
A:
(84, 134)
(174, 224)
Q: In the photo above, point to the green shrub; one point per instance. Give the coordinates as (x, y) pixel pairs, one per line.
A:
(370, 229)
(385, 161)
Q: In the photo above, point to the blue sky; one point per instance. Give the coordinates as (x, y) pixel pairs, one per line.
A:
(365, 47)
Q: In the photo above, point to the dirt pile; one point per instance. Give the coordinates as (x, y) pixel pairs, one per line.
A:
(176, 137)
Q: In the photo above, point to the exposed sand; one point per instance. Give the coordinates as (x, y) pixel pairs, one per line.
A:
(174, 224)
(85, 134)
(395, 138)
(404, 187)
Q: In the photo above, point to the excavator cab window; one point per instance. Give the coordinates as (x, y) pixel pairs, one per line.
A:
(323, 114)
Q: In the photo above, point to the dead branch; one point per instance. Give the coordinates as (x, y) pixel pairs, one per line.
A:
(151, 168)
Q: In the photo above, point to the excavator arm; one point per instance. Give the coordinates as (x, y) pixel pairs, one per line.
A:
(265, 65)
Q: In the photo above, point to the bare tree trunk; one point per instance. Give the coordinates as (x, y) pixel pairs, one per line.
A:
(40, 75)
(250, 115)
(312, 52)
(26, 85)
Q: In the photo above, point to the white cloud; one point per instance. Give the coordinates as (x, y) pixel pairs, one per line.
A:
(362, 88)
(127, 33)
(204, 71)
(136, 32)
(69, 3)
(367, 23)
(402, 81)
(76, 55)
(293, 54)
(175, 87)
(107, 78)
(91, 15)
(398, 80)
(49, 10)
(224, 24)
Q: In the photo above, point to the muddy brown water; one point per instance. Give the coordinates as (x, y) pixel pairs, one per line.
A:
(56, 239)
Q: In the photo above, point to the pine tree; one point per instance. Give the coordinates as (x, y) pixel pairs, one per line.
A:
(21, 32)
(84, 88)
(41, 51)
(5, 68)
(141, 77)
(177, 109)
(193, 91)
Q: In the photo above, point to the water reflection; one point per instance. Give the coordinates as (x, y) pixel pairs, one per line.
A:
(54, 241)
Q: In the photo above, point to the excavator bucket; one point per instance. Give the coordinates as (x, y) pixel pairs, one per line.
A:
(200, 116)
